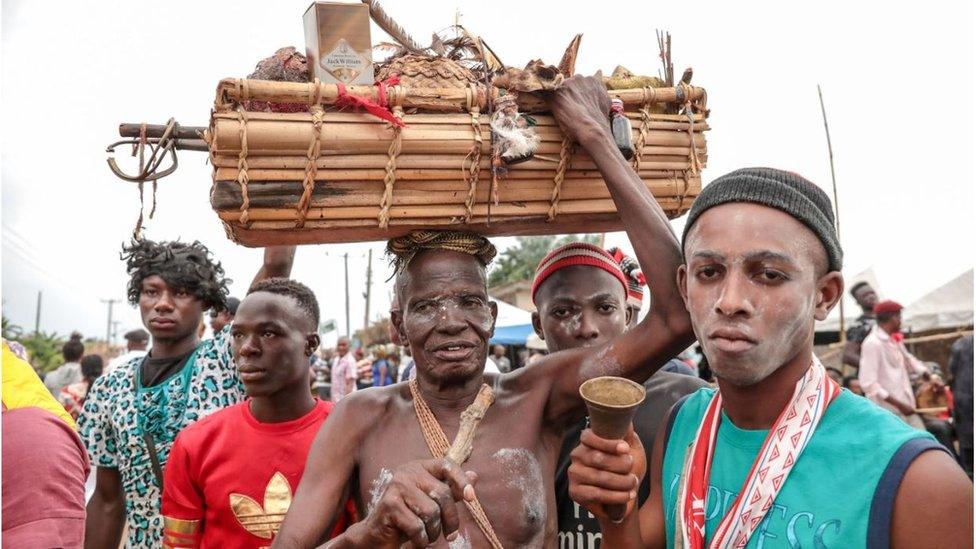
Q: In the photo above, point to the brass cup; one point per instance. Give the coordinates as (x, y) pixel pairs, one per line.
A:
(611, 403)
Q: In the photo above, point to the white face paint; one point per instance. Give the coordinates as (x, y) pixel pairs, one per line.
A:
(751, 289)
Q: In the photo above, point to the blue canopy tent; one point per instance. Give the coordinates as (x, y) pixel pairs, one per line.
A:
(513, 325)
(512, 335)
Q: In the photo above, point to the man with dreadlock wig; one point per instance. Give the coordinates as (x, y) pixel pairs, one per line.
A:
(134, 413)
(379, 444)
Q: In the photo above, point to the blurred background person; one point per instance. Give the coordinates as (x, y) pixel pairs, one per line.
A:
(73, 396)
(136, 342)
(961, 370)
(70, 371)
(223, 317)
(501, 361)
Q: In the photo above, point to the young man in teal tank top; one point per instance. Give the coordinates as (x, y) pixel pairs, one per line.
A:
(779, 456)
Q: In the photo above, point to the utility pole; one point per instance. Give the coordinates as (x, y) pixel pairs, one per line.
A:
(345, 259)
(369, 280)
(108, 326)
(37, 315)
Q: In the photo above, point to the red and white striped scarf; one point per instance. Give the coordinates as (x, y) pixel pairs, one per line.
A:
(789, 435)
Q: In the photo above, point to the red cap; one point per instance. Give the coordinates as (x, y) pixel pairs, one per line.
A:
(577, 253)
(887, 306)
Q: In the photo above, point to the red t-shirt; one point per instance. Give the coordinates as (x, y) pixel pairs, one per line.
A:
(230, 479)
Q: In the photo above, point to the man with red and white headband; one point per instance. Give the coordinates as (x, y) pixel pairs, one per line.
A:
(779, 455)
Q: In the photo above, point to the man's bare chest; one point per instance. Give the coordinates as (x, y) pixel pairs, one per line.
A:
(513, 456)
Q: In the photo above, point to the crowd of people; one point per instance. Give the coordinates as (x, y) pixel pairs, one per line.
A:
(258, 436)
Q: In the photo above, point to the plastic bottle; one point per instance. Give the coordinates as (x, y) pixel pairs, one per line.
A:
(621, 129)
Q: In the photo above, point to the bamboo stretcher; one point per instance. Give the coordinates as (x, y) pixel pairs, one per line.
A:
(327, 175)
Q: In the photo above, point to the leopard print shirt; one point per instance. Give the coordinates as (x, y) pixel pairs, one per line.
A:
(116, 413)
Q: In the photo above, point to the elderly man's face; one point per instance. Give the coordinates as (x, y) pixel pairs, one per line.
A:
(445, 314)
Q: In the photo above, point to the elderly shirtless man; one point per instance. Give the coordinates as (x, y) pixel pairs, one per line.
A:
(374, 448)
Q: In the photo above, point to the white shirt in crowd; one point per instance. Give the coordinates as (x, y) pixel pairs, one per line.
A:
(122, 359)
(64, 375)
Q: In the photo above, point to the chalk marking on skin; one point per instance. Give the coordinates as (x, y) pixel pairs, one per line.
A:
(525, 475)
(378, 488)
(461, 542)
(607, 363)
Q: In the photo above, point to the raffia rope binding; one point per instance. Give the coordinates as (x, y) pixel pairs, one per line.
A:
(674, 192)
(644, 125)
(311, 156)
(437, 444)
(565, 154)
(390, 178)
(694, 164)
(242, 177)
(684, 192)
(474, 154)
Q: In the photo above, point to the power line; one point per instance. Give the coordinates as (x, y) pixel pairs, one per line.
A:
(33, 264)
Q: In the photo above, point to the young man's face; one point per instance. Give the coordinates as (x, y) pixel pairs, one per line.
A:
(580, 306)
(893, 324)
(342, 347)
(445, 314)
(866, 297)
(753, 284)
(219, 320)
(272, 339)
(168, 313)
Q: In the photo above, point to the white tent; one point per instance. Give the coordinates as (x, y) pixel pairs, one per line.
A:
(851, 309)
(510, 315)
(948, 306)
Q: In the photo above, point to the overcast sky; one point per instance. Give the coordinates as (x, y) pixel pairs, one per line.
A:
(898, 84)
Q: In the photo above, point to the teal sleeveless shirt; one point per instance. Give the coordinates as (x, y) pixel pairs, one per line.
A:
(840, 493)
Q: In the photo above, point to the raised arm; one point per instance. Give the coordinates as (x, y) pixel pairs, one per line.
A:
(582, 106)
(278, 261)
(323, 490)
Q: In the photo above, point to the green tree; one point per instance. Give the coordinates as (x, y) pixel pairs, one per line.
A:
(44, 349)
(378, 332)
(520, 261)
(11, 330)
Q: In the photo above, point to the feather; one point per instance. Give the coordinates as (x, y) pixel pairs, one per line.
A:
(391, 27)
(567, 65)
(492, 63)
(437, 45)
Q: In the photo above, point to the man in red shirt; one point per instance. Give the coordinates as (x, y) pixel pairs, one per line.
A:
(230, 477)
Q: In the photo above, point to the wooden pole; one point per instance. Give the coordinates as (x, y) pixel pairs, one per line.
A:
(369, 281)
(833, 179)
(37, 314)
(345, 259)
(108, 326)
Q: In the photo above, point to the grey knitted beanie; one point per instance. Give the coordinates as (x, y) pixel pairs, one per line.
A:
(784, 191)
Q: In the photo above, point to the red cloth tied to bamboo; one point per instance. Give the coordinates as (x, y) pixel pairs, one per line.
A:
(378, 109)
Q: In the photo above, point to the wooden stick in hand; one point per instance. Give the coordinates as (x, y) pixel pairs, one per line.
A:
(463, 444)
